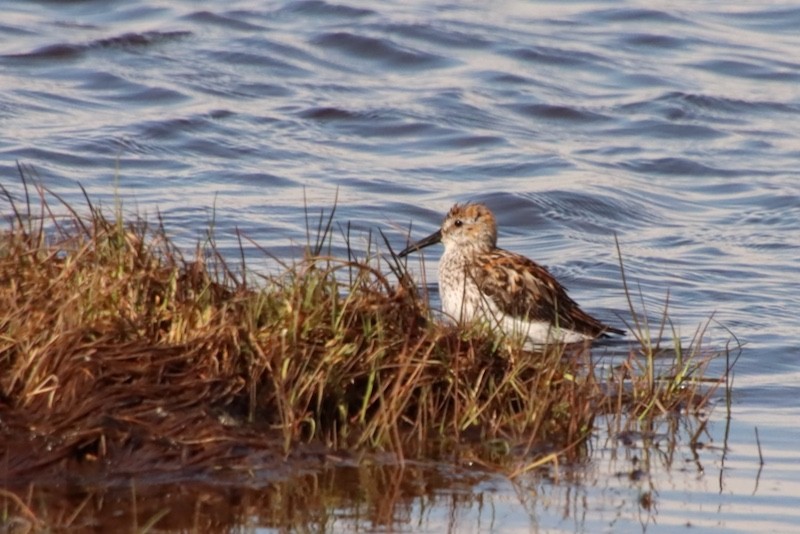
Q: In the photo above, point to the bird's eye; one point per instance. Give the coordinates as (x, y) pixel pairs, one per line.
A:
(458, 223)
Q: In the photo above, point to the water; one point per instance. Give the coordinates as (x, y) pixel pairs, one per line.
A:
(674, 125)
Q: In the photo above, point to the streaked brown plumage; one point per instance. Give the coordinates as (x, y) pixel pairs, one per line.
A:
(478, 280)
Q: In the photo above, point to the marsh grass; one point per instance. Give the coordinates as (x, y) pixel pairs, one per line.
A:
(119, 356)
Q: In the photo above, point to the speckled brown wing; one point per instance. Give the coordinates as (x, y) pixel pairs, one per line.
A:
(521, 288)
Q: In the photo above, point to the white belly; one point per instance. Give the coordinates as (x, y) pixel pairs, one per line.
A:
(463, 302)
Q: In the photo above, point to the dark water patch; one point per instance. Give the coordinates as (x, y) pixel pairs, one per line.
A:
(751, 145)
(148, 96)
(330, 114)
(594, 213)
(55, 52)
(530, 167)
(561, 57)
(274, 48)
(422, 217)
(338, 89)
(223, 21)
(327, 9)
(437, 35)
(123, 12)
(106, 82)
(252, 54)
(774, 215)
(127, 41)
(261, 90)
(664, 130)
(557, 113)
(219, 114)
(397, 129)
(131, 155)
(649, 40)
(137, 40)
(220, 146)
(755, 69)
(257, 61)
(15, 31)
(10, 108)
(505, 78)
(775, 212)
(470, 141)
(373, 123)
(676, 105)
(378, 181)
(606, 151)
(47, 159)
(641, 80)
(113, 90)
(221, 87)
(59, 103)
(768, 19)
(380, 50)
(74, 24)
(723, 193)
(777, 395)
(730, 105)
(170, 129)
(627, 14)
(682, 167)
(517, 213)
(452, 108)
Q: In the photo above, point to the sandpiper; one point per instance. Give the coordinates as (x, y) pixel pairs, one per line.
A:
(479, 281)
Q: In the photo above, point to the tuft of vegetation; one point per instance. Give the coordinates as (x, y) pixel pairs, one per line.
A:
(120, 356)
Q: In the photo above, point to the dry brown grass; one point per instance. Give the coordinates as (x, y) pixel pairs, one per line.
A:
(118, 356)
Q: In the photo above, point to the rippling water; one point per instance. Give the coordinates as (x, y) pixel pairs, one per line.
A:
(674, 125)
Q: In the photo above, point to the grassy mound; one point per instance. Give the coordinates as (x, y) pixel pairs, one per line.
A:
(119, 356)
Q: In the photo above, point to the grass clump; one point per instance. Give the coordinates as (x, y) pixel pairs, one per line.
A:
(119, 356)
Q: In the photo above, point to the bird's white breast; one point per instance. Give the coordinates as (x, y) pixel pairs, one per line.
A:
(463, 301)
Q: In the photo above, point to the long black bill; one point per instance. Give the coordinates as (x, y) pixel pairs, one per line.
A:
(422, 243)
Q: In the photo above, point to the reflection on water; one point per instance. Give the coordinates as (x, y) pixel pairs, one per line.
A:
(674, 127)
(640, 480)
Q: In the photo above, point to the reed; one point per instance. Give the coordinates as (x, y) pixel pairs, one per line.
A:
(119, 355)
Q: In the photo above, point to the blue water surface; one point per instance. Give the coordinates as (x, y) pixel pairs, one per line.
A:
(674, 126)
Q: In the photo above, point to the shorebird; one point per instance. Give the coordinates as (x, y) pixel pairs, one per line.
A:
(479, 281)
